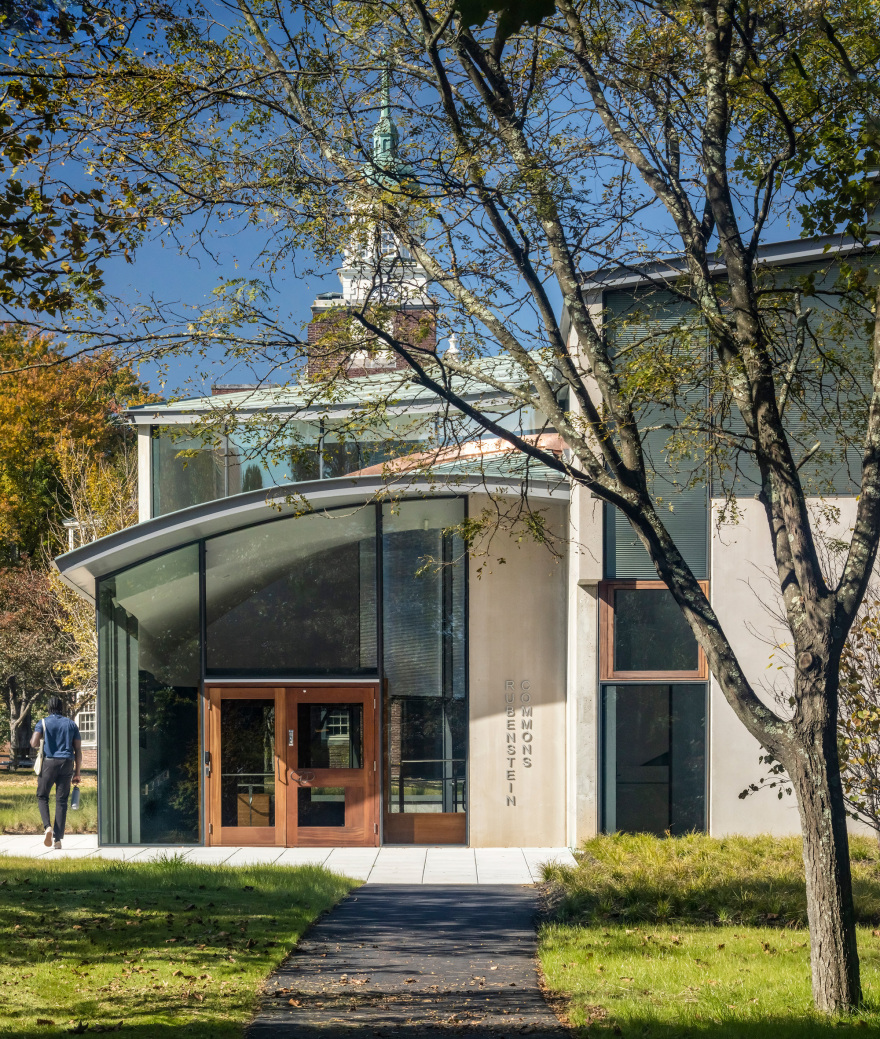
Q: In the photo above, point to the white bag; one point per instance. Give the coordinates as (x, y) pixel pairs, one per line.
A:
(38, 764)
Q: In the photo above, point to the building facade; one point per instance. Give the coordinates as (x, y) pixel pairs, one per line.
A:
(297, 649)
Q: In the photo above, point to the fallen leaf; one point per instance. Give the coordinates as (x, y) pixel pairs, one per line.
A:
(44, 1021)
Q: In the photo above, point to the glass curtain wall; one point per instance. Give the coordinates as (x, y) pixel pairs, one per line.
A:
(187, 471)
(181, 480)
(148, 632)
(654, 758)
(293, 597)
(297, 596)
(423, 582)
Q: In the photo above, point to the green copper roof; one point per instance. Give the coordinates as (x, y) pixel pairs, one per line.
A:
(385, 169)
(397, 388)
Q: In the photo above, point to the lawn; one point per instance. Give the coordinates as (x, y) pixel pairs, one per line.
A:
(697, 937)
(168, 948)
(18, 805)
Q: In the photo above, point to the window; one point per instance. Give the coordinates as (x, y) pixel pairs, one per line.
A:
(148, 698)
(654, 758)
(87, 723)
(297, 596)
(424, 573)
(645, 635)
(338, 723)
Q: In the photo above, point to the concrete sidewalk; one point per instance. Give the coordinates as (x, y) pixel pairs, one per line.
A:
(413, 963)
(387, 865)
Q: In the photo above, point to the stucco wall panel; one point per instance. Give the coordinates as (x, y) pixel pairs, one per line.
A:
(745, 595)
(517, 692)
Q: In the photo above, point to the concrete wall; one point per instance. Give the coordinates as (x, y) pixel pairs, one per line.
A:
(584, 574)
(745, 595)
(517, 772)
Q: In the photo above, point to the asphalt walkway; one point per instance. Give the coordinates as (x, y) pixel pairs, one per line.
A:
(414, 962)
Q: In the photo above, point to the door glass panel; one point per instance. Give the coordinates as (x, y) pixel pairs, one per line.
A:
(247, 748)
(321, 806)
(330, 736)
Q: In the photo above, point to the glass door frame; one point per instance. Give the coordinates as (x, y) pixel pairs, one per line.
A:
(286, 698)
(365, 833)
(251, 836)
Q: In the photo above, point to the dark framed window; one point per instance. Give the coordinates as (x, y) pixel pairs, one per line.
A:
(644, 634)
(654, 758)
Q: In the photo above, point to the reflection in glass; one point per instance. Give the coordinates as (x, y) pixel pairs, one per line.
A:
(650, 632)
(148, 695)
(654, 751)
(424, 573)
(180, 481)
(294, 596)
(330, 735)
(321, 806)
(247, 777)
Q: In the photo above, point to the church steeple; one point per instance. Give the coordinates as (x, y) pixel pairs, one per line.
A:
(386, 137)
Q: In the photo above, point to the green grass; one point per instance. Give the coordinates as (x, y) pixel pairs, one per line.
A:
(696, 937)
(168, 948)
(18, 805)
(753, 880)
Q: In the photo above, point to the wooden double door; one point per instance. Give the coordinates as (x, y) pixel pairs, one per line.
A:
(295, 766)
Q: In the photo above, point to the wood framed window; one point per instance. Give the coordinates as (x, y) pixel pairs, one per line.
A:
(643, 634)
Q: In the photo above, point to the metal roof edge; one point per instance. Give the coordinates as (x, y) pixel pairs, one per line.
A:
(80, 568)
(796, 250)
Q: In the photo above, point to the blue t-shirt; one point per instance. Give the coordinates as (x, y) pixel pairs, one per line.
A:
(59, 736)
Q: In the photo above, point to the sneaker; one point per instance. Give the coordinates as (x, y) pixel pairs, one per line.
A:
(47, 838)
(58, 845)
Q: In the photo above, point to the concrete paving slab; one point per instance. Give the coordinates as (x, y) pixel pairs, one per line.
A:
(387, 865)
(254, 856)
(413, 963)
(303, 856)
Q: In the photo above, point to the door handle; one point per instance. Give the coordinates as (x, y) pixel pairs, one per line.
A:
(301, 777)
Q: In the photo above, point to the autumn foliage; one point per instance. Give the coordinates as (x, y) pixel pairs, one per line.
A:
(44, 402)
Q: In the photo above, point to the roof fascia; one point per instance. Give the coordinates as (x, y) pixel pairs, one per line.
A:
(799, 250)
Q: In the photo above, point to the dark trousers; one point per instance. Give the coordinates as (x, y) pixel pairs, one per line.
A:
(55, 772)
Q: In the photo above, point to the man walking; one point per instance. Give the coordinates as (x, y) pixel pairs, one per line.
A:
(62, 761)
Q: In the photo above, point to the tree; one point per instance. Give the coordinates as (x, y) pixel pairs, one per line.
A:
(858, 723)
(100, 497)
(668, 143)
(859, 727)
(43, 406)
(58, 221)
(30, 648)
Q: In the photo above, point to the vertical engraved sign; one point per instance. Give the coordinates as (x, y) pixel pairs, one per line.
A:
(519, 735)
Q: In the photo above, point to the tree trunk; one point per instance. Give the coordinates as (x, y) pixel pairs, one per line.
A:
(19, 718)
(834, 957)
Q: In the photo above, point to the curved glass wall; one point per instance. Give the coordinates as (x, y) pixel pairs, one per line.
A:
(293, 597)
(376, 591)
(148, 696)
